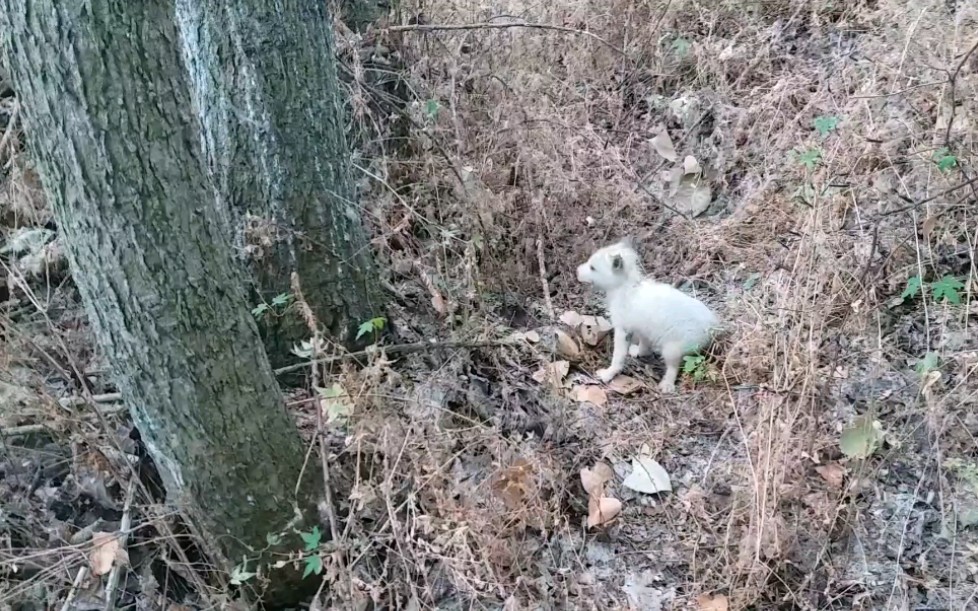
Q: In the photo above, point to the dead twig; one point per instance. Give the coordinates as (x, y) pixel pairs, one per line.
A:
(394, 349)
(952, 81)
(430, 27)
(914, 205)
(541, 262)
(113, 581)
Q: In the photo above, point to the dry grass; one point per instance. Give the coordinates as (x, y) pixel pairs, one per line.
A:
(549, 133)
(457, 477)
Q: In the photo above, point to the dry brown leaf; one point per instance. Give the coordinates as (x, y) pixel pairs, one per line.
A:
(571, 318)
(833, 473)
(929, 224)
(602, 510)
(552, 373)
(591, 394)
(438, 302)
(706, 602)
(691, 166)
(513, 485)
(662, 144)
(594, 329)
(106, 550)
(596, 477)
(625, 385)
(532, 336)
(567, 346)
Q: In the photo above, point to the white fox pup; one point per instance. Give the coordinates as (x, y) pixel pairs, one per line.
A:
(658, 316)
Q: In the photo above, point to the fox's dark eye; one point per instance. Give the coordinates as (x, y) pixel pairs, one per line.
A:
(592, 268)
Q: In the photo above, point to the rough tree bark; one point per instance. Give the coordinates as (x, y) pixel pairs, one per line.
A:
(110, 122)
(265, 85)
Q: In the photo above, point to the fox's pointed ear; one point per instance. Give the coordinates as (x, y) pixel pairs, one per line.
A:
(628, 241)
(617, 263)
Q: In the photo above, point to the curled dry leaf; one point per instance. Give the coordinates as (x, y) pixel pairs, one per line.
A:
(594, 329)
(647, 476)
(662, 144)
(106, 550)
(706, 602)
(591, 394)
(691, 166)
(602, 510)
(625, 385)
(567, 346)
(571, 318)
(596, 477)
(552, 373)
(833, 473)
(693, 195)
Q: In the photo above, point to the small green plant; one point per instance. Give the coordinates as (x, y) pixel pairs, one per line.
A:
(431, 108)
(945, 160)
(912, 289)
(825, 124)
(947, 288)
(695, 366)
(862, 438)
(809, 159)
(279, 302)
(240, 573)
(313, 562)
(927, 364)
(681, 46)
(374, 325)
(335, 403)
(751, 281)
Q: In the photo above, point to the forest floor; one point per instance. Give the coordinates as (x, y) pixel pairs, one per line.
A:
(824, 457)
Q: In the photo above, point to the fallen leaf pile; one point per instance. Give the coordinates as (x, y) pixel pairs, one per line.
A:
(583, 330)
(688, 188)
(601, 509)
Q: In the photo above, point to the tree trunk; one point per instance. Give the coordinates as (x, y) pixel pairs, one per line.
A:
(109, 118)
(265, 85)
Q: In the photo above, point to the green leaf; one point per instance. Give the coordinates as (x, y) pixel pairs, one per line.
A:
(314, 564)
(240, 574)
(260, 310)
(281, 300)
(947, 288)
(928, 363)
(431, 108)
(945, 160)
(861, 439)
(913, 287)
(374, 324)
(272, 539)
(810, 158)
(681, 46)
(336, 403)
(312, 538)
(825, 124)
(751, 281)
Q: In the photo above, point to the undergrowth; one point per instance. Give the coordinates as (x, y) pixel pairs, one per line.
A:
(838, 144)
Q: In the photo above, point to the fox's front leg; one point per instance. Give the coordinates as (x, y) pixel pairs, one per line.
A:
(618, 354)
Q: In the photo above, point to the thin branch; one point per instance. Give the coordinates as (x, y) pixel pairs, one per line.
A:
(113, 582)
(952, 82)
(500, 26)
(394, 349)
(914, 205)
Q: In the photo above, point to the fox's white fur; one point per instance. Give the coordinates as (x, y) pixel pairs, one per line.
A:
(657, 316)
